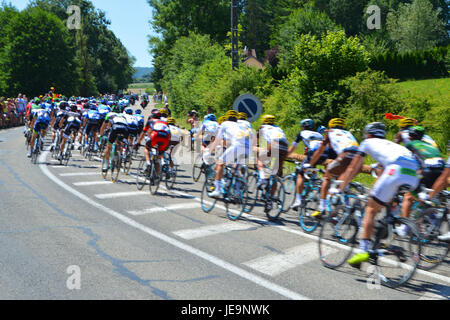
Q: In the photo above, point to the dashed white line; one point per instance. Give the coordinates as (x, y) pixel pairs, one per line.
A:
(210, 230)
(121, 194)
(181, 206)
(79, 174)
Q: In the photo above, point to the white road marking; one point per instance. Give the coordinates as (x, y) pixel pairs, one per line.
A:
(275, 264)
(121, 194)
(176, 243)
(79, 174)
(181, 206)
(211, 230)
(91, 183)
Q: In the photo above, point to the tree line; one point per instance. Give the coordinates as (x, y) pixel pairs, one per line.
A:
(321, 59)
(39, 51)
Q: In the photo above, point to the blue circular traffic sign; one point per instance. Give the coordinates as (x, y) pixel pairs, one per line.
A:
(249, 104)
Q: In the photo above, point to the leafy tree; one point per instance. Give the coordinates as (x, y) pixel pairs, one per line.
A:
(38, 54)
(415, 26)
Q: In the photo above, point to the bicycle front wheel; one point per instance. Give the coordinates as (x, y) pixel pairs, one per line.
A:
(290, 190)
(308, 223)
(237, 199)
(337, 238)
(397, 260)
(208, 203)
(115, 168)
(434, 250)
(155, 179)
(197, 168)
(141, 175)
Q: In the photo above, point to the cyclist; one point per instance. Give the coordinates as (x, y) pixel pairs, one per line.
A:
(63, 108)
(237, 151)
(403, 135)
(118, 124)
(243, 121)
(431, 164)
(342, 143)
(141, 121)
(399, 169)
(91, 124)
(133, 125)
(274, 149)
(72, 123)
(41, 120)
(312, 140)
(157, 135)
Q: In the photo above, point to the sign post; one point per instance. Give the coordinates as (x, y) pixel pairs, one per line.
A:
(249, 104)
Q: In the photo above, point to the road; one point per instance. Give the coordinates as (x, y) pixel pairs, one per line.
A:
(68, 234)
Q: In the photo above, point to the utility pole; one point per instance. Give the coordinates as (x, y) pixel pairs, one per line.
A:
(234, 35)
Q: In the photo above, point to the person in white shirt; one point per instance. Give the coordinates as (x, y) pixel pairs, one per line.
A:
(399, 169)
(344, 145)
(237, 151)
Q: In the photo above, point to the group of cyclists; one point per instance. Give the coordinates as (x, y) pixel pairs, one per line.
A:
(412, 159)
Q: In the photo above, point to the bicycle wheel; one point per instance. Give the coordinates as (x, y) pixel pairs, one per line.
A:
(115, 168)
(171, 175)
(397, 260)
(197, 168)
(252, 192)
(278, 198)
(141, 175)
(155, 179)
(337, 238)
(310, 205)
(206, 202)
(127, 163)
(236, 199)
(35, 153)
(430, 227)
(105, 163)
(290, 190)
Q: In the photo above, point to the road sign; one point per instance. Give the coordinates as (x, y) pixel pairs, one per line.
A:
(249, 104)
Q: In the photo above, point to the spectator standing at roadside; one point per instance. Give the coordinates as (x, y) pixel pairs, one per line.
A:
(11, 107)
(2, 112)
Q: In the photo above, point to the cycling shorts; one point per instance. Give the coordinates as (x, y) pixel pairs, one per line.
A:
(71, 127)
(159, 140)
(117, 130)
(40, 125)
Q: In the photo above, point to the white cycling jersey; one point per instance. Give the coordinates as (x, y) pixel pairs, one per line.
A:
(233, 133)
(272, 133)
(342, 140)
(311, 139)
(387, 152)
(209, 129)
(175, 133)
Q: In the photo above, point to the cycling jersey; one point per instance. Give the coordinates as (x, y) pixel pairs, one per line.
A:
(271, 133)
(341, 140)
(159, 136)
(42, 120)
(405, 139)
(175, 134)
(209, 129)
(238, 140)
(103, 110)
(311, 139)
(133, 124)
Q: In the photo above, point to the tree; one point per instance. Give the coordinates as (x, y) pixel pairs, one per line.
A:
(38, 54)
(415, 26)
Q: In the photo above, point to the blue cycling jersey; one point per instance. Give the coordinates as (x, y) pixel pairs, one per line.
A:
(93, 115)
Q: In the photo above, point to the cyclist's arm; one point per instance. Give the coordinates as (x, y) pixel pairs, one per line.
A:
(441, 183)
(318, 153)
(398, 137)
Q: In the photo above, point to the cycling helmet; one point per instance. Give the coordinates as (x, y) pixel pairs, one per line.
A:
(243, 116)
(307, 124)
(375, 129)
(268, 119)
(222, 119)
(232, 115)
(74, 108)
(156, 114)
(407, 122)
(139, 111)
(164, 112)
(64, 105)
(210, 117)
(321, 129)
(115, 109)
(337, 123)
(129, 111)
(171, 121)
(416, 132)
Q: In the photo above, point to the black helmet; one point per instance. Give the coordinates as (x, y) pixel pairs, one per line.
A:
(376, 129)
(416, 132)
(156, 114)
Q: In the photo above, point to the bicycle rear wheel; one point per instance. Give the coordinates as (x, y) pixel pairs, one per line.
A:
(308, 223)
(141, 175)
(337, 238)
(278, 199)
(290, 190)
(115, 168)
(105, 163)
(434, 250)
(206, 202)
(252, 192)
(171, 175)
(397, 260)
(237, 199)
(197, 168)
(155, 179)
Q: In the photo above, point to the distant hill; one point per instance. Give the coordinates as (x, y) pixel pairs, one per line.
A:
(141, 72)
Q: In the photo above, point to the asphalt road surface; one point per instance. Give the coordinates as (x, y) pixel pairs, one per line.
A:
(66, 233)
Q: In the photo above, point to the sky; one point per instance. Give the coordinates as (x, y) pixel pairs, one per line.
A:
(129, 22)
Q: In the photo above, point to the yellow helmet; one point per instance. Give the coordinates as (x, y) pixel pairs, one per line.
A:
(222, 119)
(243, 115)
(336, 122)
(164, 112)
(268, 119)
(232, 114)
(171, 121)
(407, 122)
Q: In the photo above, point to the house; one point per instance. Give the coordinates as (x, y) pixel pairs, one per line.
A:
(251, 60)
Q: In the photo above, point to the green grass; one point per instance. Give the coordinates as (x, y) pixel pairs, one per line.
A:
(436, 91)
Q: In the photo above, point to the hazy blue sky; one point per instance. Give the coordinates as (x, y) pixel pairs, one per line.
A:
(129, 21)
